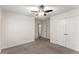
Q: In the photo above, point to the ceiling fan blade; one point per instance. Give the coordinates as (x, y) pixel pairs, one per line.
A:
(48, 11)
(34, 11)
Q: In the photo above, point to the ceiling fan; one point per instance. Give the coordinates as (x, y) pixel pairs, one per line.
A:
(41, 11)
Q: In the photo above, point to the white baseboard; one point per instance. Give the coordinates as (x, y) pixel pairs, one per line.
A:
(17, 44)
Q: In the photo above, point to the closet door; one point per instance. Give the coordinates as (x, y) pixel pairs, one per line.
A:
(58, 28)
(70, 32)
(44, 30)
(39, 30)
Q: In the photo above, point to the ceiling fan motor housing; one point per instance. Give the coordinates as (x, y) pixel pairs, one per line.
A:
(41, 14)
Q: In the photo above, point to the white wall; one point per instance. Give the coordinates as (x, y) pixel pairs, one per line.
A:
(0, 30)
(17, 29)
(59, 25)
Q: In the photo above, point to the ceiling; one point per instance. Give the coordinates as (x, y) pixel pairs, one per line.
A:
(26, 9)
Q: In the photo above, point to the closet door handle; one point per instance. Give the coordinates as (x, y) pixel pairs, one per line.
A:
(65, 34)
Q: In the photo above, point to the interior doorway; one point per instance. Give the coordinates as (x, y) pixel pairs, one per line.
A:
(39, 31)
(42, 28)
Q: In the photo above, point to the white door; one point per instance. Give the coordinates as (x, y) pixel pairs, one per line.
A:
(58, 28)
(65, 32)
(70, 32)
(39, 30)
(44, 30)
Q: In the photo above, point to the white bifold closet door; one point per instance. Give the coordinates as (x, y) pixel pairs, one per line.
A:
(57, 31)
(65, 32)
(71, 33)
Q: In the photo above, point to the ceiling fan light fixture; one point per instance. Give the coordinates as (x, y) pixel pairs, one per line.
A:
(41, 13)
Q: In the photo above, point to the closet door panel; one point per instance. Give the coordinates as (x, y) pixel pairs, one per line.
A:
(71, 31)
(58, 31)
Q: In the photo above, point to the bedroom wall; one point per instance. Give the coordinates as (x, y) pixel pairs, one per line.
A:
(17, 29)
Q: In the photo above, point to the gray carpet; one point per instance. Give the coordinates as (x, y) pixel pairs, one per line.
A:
(40, 46)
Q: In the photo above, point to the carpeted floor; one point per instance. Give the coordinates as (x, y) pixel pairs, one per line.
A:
(40, 46)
